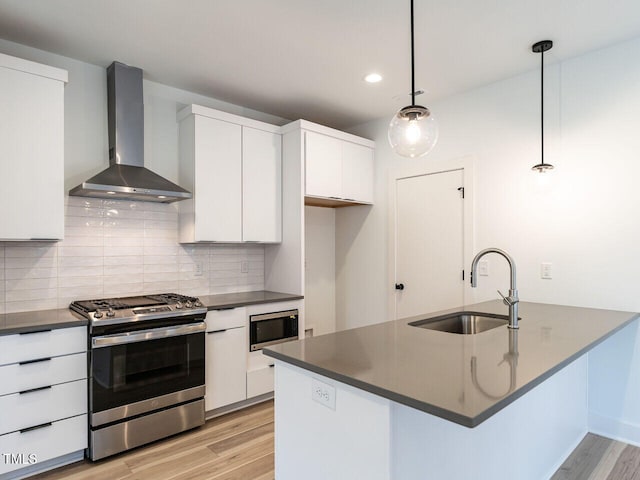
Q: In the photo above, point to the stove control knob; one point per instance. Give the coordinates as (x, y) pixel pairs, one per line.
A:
(111, 313)
(198, 303)
(178, 304)
(98, 314)
(188, 305)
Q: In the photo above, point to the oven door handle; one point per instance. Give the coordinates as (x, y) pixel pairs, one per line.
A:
(144, 335)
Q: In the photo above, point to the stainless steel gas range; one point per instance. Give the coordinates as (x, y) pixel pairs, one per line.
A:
(146, 369)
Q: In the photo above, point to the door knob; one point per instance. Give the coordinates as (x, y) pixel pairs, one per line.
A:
(399, 286)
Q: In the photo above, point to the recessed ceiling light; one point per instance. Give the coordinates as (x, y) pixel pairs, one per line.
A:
(373, 78)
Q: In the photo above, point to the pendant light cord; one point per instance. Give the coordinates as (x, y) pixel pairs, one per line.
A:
(413, 73)
(541, 105)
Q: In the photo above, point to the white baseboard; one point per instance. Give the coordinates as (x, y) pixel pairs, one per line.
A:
(614, 429)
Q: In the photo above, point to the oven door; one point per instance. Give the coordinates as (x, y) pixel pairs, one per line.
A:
(145, 370)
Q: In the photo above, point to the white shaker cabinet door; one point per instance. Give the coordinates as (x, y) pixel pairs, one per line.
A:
(226, 367)
(32, 166)
(218, 178)
(261, 186)
(323, 165)
(357, 172)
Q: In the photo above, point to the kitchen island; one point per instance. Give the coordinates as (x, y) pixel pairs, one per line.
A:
(396, 401)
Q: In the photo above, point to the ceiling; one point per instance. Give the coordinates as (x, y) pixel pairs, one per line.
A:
(306, 58)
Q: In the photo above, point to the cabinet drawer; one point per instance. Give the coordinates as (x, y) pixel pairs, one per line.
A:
(31, 346)
(59, 438)
(260, 381)
(25, 410)
(229, 318)
(18, 377)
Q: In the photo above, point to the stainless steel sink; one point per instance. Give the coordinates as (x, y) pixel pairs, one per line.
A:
(465, 323)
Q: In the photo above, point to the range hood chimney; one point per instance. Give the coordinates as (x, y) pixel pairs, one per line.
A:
(126, 177)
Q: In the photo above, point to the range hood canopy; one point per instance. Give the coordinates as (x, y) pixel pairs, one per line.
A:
(126, 177)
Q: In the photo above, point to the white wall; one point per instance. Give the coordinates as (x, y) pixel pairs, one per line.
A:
(585, 221)
(320, 271)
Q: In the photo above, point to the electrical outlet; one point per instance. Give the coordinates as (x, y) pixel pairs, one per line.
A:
(483, 268)
(197, 269)
(244, 267)
(323, 394)
(546, 270)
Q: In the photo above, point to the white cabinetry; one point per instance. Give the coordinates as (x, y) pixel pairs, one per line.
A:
(43, 394)
(260, 368)
(338, 166)
(226, 357)
(232, 165)
(32, 139)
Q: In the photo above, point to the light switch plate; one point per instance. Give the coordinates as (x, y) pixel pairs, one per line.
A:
(244, 267)
(546, 270)
(483, 268)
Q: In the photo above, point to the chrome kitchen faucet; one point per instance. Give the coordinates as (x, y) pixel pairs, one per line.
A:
(512, 300)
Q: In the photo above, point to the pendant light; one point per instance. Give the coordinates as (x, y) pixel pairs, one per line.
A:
(413, 131)
(541, 47)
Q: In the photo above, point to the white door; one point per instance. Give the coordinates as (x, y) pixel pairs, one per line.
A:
(429, 251)
(323, 165)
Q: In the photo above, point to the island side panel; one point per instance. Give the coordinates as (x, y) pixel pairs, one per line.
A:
(317, 442)
(614, 390)
(527, 440)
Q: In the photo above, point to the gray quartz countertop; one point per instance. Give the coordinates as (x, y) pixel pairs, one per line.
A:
(25, 322)
(462, 378)
(231, 300)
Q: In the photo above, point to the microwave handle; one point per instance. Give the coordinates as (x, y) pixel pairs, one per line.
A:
(143, 335)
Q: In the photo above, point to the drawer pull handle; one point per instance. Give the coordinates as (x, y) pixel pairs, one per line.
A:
(35, 389)
(37, 360)
(35, 331)
(272, 365)
(223, 308)
(217, 331)
(37, 427)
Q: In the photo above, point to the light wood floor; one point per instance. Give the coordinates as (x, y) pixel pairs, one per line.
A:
(236, 446)
(600, 458)
(239, 446)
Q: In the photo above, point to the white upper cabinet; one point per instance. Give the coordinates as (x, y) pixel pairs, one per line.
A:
(323, 162)
(32, 140)
(357, 172)
(261, 186)
(338, 166)
(233, 167)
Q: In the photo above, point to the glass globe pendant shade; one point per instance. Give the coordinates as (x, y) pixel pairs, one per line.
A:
(413, 131)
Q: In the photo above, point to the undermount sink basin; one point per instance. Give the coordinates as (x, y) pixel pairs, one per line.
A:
(465, 323)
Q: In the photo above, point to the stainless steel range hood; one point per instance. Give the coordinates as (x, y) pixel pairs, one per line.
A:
(126, 177)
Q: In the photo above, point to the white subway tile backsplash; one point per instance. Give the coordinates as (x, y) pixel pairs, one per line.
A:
(30, 262)
(64, 251)
(128, 269)
(75, 282)
(31, 284)
(34, 304)
(22, 273)
(116, 248)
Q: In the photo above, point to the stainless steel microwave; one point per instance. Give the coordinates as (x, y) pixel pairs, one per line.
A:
(272, 328)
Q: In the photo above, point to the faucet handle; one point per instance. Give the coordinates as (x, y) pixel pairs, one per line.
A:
(506, 300)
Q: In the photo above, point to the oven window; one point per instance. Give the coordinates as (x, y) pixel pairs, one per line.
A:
(128, 373)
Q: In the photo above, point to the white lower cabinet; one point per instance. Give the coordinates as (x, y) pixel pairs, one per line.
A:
(43, 396)
(226, 357)
(36, 445)
(226, 367)
(260, 381)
